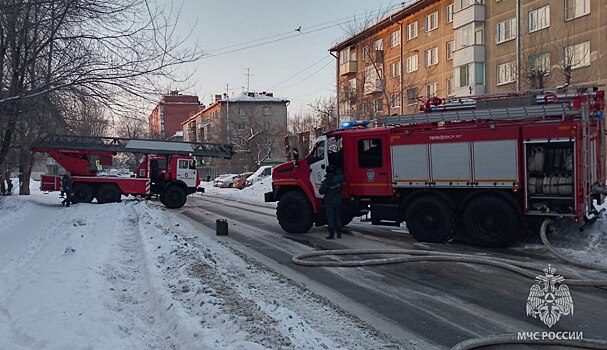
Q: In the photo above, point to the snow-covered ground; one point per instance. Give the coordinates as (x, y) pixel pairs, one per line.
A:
(133, 275)
(251, 194)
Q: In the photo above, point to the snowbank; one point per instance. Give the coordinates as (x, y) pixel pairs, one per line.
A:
(252, 194)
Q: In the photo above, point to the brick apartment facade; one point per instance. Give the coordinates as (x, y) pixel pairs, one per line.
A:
(460, 48)
(255, 123)
(165, 120)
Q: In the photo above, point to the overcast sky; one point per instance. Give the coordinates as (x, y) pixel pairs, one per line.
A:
(297, 66)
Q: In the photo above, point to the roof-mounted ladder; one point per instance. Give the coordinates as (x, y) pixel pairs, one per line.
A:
(118, 144)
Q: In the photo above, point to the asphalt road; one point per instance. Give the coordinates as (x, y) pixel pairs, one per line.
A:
(419, 305)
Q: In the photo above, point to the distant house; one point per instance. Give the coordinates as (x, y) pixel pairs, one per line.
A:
(172, 109)
(255, 123)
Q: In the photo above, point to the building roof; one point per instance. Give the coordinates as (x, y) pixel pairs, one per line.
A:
(254, 97)
(409, 8)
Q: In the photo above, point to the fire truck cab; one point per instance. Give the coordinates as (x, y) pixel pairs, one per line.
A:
(484, 169)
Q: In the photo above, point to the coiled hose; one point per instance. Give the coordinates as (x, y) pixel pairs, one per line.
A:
(521, 268)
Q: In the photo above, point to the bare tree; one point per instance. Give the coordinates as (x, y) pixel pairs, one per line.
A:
(98, 50)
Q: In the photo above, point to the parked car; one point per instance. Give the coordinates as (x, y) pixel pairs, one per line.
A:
(220, 180)
(241, 180)
(227, 181)
(260, 174)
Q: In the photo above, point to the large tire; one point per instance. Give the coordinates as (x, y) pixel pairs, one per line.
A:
(294, 212)
(83, 193)
(173, 197)
(491, 221)
(108, 193)
(429, 219)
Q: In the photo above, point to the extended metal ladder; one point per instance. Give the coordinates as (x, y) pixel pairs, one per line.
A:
(508, 113)
(119, 144)
(533, 104)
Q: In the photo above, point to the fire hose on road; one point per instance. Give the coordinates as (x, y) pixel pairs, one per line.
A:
(521, 268)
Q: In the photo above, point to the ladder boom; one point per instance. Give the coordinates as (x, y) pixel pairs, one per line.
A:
(119, 144)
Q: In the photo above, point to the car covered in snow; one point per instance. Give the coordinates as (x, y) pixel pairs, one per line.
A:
(226, 181)
(240, 181)
(261, 173)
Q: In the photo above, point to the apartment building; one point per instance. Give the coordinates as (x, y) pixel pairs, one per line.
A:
(458, 48)
(255, 123)
(165, 119)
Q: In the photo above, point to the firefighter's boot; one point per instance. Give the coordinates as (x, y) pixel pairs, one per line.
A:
(331, 235)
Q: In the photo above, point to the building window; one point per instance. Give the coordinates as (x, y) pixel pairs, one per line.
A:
(378, 105)
(540, 63)
(395, 100)
(462, 4)
(578, 56)
(449, 83)
(395, 69)
(366, 54)
(347, 55)
(269, 141)
(463, 75)
(449, 50)
(412, 96)
(506, 31)
(470, 34)
(411, 30)
(240, 111)
(450, 13)
(432, 90)
(432, 56)
(411, 64)
(432, 21)
(506, 73)
(267, 125)
(576, 8)
(539, 18)
(240, 126)
(378, 45)
(395, 38)
(267, 111)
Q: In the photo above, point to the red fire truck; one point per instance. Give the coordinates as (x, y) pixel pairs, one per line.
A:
(168, 169)
(485, 167)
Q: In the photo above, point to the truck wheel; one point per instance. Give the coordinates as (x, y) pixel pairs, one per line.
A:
(83, 193)
(108, 193)
(429, 219)
(294, 212)
(173, 197)
(491, 221)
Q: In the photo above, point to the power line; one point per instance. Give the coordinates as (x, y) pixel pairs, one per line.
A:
(342, 21)
(338, 21)
(309, 76)
(301, 71)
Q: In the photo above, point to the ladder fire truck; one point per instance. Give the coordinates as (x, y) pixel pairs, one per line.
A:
(484, 168)
(168, 169)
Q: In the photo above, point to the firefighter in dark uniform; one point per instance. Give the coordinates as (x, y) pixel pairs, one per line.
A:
(66, 184)
(331, 189)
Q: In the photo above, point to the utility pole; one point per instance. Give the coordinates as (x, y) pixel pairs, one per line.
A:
(228, 112)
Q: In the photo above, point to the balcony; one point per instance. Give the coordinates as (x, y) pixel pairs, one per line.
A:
(469, 54)
(374, 86)
(473, 13)
(347, 68)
